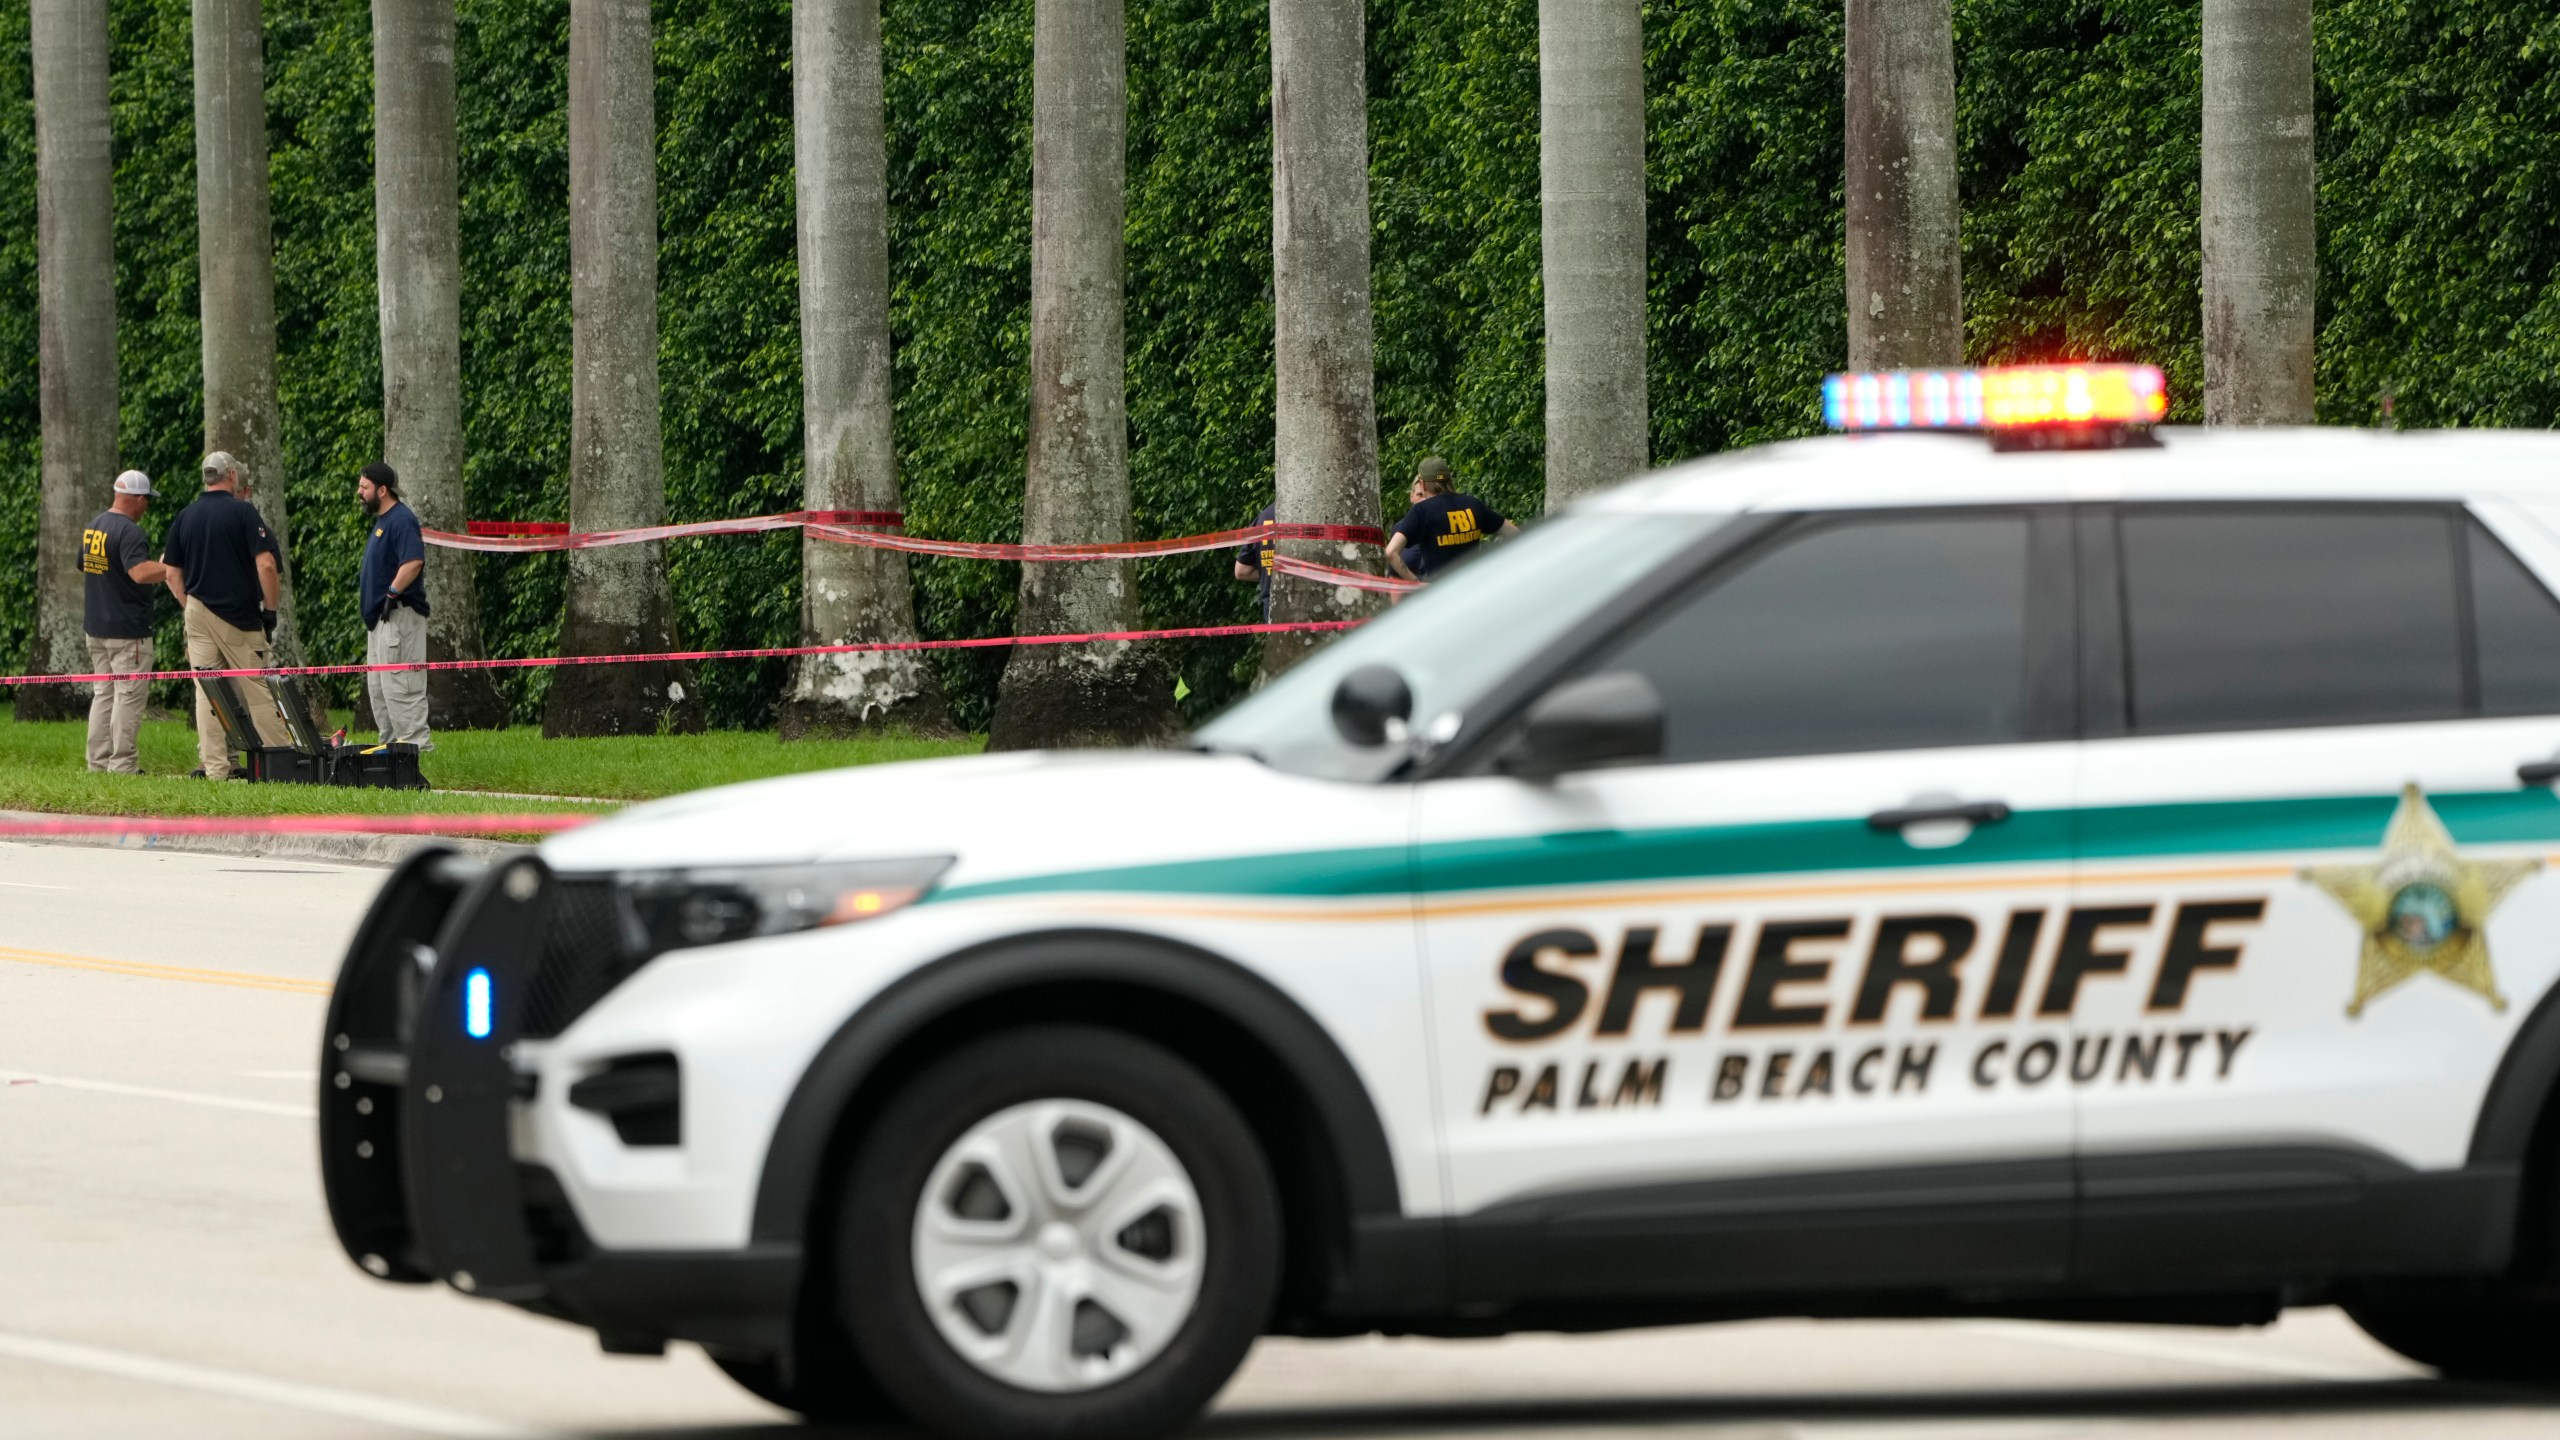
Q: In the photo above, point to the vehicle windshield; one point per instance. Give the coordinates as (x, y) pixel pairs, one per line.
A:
(1453, 641)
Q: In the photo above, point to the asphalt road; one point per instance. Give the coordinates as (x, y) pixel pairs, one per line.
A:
(166, 1268)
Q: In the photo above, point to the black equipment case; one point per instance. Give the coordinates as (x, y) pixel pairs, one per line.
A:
(304, 762)
(309, 760)
(376, 767)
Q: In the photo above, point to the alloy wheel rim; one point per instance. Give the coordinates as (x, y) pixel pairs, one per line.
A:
(1058, 1245)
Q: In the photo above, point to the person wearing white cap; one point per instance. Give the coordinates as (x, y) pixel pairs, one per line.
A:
(117, 573)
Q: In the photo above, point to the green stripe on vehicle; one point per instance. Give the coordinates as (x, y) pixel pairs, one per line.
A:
(1599, 857)
(2344, 822)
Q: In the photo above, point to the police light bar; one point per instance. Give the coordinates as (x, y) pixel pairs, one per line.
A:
(2000, 399)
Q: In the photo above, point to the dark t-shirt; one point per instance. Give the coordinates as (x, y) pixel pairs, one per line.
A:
(112, 606)
(1258, 555)
(395, 542)
(1446, 529)
(215, 544)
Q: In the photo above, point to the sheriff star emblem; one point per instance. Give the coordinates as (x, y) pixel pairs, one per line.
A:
(2422, 907)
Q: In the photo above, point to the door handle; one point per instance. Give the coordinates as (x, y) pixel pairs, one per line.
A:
(1978, 812)
(2538, 772)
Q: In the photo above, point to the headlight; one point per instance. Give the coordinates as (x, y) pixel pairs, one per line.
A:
(712, 905)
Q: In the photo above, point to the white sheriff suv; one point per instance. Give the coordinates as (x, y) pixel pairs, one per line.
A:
(2077, 871)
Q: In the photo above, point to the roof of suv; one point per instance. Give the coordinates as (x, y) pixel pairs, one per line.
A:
(1916, 468)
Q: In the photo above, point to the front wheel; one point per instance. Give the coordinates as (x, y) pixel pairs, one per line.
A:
(830, 1385)
(1065, 1231)
(2508, 1339)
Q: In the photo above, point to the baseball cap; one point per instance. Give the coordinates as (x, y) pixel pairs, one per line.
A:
(134, 482)
(1431, 468)
(219, 462)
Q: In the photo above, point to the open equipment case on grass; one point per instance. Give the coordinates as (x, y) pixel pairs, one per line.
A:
(310, 759)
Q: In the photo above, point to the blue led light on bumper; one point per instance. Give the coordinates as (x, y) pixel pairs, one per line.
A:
(478, 1007)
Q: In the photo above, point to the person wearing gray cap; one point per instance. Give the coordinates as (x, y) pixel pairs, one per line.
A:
(117, 573)
(222, 563)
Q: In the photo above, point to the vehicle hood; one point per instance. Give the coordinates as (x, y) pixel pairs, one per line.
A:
(999, 816)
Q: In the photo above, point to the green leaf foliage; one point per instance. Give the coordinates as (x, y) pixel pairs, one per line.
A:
(2080, 125)
(19, 450)
(2439, 134)
(2440, 212)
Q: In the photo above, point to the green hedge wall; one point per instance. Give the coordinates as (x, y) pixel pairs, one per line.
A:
(2440, 215)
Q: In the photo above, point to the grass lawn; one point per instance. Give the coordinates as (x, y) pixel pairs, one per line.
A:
(43, 767)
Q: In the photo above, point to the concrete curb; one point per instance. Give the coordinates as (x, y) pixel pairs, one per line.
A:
(355, 849)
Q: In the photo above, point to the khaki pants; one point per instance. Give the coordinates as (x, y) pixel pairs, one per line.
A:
(115, 708)
(399, 696)
(214, 643)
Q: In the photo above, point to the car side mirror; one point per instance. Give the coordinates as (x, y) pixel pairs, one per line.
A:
(1596, 720)
(1371, 705)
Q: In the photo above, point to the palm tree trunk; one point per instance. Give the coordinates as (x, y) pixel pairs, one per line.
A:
(76, 327)
(1077, 486)
(2260, 264)
(850, 458)
(1906, 293)
(418, 259)
(235, 266)
(1591, 169)
(1326, 461)
(618, 596)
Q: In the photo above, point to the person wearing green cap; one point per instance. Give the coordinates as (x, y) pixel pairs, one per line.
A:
(1445, 525)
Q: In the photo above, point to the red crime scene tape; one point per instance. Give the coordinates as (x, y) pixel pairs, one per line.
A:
(536, 662)
(550, 823)
(1181, 545)
(847, 527)
(1335, 575)
(842, 527)
(510, 527)
(510, 535)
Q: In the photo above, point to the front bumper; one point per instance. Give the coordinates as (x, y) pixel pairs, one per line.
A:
(419, 1090)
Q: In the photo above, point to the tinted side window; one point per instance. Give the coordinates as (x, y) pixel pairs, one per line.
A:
(2518, 626)
(2241, 618)
(1877, 634)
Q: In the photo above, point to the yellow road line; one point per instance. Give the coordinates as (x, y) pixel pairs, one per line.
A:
(144, 970)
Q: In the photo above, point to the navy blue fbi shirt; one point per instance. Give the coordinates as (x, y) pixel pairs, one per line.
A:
(395, 542)
(112, 606)
(215, 544)
(1258, 555)
(1446, 529)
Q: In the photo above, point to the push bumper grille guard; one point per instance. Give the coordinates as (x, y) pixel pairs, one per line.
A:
(418, 1086)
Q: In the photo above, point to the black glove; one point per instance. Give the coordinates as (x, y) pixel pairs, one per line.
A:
(267, 622)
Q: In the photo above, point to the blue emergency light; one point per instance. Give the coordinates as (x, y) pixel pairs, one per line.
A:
(479, 1007)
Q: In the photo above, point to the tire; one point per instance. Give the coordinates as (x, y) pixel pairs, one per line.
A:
(2485, 1337)
(759, 1377)
(834, 1389)
(1097, 1220)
